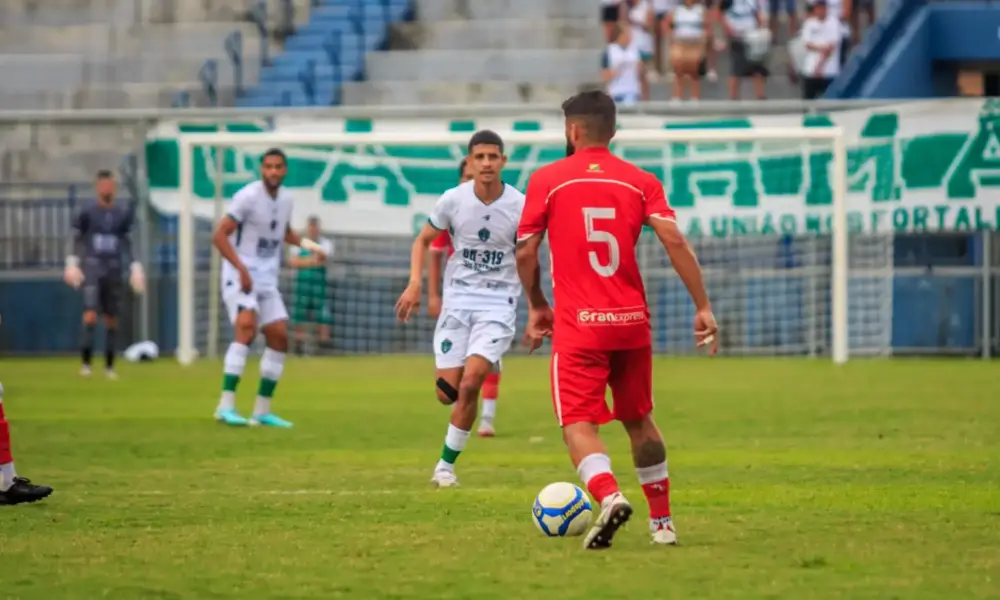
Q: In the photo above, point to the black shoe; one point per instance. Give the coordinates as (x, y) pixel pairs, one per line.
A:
(24, 491)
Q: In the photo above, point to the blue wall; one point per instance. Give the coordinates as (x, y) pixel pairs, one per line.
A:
(912, 51)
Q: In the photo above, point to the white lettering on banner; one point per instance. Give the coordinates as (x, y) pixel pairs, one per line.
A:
(911, 167)
(607, 316)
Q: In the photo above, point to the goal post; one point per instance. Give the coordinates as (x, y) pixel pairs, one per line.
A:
(828, 316)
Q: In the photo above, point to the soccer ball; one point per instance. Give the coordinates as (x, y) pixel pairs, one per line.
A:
(561, 509)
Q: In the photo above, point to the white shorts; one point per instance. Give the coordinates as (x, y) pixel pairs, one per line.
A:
(662, 7)
(463, 333)
(267, 303)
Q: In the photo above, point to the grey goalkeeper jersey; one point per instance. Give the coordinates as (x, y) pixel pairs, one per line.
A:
(102, 239)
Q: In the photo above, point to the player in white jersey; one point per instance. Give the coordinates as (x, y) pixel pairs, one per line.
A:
(250, 239)
(481, 289)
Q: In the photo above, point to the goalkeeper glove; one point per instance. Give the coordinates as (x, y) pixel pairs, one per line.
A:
(137, 278)
(72, 275)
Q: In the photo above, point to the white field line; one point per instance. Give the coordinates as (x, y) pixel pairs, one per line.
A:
(225, 492)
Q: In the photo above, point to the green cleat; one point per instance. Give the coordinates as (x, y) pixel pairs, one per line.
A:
(269, 420)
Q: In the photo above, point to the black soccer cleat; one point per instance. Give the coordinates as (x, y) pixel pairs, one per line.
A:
(611, 518)
(23, 491)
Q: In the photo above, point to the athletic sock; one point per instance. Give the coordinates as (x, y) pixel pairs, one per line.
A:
(7, 473)
(272, 364)
(235, 362)
(656, 486)
(595, 471)
(491, 391)
(109, 349)
(454, 443)
(87, 344)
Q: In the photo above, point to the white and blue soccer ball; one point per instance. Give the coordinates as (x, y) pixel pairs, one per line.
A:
(561, 509)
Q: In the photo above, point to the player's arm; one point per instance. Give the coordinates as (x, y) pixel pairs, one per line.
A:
(434, 268)
(419, 252)
(137, 276)
(73, 275)
(294, 238)
(220, 239)
(530, 233)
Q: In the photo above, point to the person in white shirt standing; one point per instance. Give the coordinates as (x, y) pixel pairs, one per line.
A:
(622, 68)
(740, 19)
(481, 291)
(690, 38)
(641, 18)
(250, 239)
(822, 37)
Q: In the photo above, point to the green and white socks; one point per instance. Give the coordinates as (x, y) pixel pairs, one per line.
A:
(272, 364)
(234, 363)
(454, 443)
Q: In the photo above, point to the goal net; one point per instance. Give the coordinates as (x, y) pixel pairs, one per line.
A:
(784, 280)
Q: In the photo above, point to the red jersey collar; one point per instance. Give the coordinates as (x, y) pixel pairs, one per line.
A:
(594, 150)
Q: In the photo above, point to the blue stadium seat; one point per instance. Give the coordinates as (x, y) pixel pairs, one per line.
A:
(326, 52)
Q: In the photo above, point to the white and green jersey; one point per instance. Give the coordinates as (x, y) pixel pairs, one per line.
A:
(260, 233)
(482, 273)
(309, 277)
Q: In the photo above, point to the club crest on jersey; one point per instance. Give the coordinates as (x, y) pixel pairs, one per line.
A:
(484, 234)
(594, 168)
(274, 225)
(446, 346)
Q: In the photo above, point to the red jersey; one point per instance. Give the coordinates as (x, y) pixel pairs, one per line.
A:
(594, 205)
(442, 243)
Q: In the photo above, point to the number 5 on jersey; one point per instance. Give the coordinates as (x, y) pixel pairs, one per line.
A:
(592, 217)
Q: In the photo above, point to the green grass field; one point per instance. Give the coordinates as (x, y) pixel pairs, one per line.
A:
(792, 479)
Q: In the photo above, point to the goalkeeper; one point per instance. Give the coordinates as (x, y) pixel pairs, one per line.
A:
(102, 248)
(312, 302)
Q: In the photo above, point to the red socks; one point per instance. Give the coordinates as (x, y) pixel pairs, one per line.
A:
(5, 455)
(658, 496)
(656, 486)
(491, 387)
(601, 486)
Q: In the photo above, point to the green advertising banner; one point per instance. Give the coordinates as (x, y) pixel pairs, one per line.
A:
(919, 166)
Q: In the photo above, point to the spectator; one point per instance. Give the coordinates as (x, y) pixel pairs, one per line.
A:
(791, 13)
(661, 9)
(689, 40)
(739, 19)
(822, 37)
(312, 305)
(622, 68)
(641, 18)
(866, 6)
(610, 15)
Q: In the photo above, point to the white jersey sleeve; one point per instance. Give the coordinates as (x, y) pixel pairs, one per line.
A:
(241, 205)
(442, 214)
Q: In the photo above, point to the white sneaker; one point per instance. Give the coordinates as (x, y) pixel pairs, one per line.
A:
(85, 371)
(444, 478)
(615, 512)
(663, 531)
(486, 429)
(110, 374)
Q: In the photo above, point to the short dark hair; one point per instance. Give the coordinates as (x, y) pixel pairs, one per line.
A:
(312, 220)
(487, 137)
(105, 174)
(594, 111)
(461, 166)
(274, 152)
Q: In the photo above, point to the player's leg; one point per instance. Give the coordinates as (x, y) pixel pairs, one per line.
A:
(14, 489)
(274, 326)
(631, 384)
(110, 300)
(579, 381)
(242, 309)
(491, 392)
(451, 342)
(91, 303)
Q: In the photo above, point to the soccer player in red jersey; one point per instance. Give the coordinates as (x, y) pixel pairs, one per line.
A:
(441, 251)
(593, 206)
(14, 489)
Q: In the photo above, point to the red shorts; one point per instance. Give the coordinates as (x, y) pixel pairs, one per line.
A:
(580, 379)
